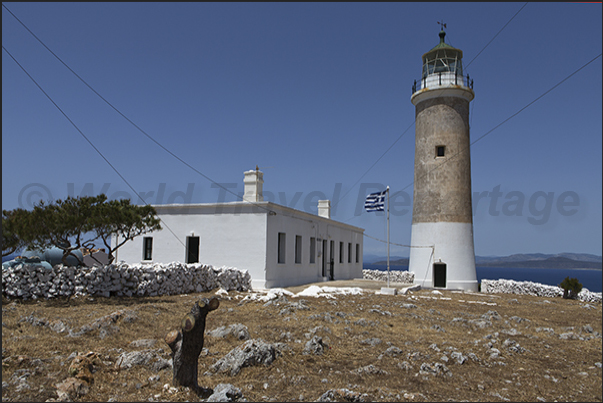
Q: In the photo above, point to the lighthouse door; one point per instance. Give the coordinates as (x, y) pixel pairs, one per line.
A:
(439, 275)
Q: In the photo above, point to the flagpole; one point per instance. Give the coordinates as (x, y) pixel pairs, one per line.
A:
(387, 237)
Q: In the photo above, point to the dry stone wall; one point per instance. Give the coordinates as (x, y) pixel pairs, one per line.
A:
(395, 276)
(30, 281)
(530, 288)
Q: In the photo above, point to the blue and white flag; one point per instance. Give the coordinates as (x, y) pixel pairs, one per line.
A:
(375, 202)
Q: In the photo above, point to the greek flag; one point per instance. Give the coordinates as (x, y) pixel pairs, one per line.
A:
(375, 202)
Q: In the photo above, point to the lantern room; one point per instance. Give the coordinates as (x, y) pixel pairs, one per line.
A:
(442, 67)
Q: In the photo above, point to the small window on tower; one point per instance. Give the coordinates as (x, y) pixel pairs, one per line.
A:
(440, 151)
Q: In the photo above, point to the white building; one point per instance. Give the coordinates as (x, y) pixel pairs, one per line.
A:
(278, 245)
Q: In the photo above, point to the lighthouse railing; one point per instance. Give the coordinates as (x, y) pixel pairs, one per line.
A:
(442, 79)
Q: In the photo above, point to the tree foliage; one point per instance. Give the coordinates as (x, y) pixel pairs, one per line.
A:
(76, 222)
(571, 288)
(125, 221)
(11, 220)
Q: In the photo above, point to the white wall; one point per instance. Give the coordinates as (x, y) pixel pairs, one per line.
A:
(453, 245)
(292, 223)
(230, 235)
(245, 236)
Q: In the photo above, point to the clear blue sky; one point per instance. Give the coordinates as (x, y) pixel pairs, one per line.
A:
(315, 94)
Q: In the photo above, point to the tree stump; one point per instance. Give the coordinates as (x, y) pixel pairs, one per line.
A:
(186, 345)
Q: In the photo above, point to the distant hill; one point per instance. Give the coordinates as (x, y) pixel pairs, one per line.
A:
(397, 262)
(525, 260)
(524, 257)
(555, 262)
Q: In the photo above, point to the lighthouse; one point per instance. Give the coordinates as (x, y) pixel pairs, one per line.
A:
(442, 253)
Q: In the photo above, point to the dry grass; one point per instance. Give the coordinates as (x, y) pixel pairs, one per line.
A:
(551, 368)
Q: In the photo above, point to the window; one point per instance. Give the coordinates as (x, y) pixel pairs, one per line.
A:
(340, 252)
(298, 249)
(440, 151)
(312, 250)
(357, 253)
(147, 248)
(281, 247)
(349, 252)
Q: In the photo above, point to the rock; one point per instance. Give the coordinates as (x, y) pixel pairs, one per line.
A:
(58, 326)
(145, 343)
(404, 365)
(437, 368)
(161, 364)
(460, 358)
(342, 395)
(71, 388)
(34, 321)
(81, 367)
(545, 329)
(252, 352)
(371, 341)
(370, 370)
(104, 324)
(225, 392)
(518, 319)
(393, 351)
(237, 330)
(142, 357)
(315, 346)
(19, 379)
(154, 378)
(406, 290)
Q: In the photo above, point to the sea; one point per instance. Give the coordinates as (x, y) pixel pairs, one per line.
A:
(589, 278)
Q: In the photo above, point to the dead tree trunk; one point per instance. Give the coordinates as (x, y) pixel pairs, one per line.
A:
(186, 344)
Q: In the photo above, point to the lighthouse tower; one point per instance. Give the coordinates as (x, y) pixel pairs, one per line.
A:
(442, 253)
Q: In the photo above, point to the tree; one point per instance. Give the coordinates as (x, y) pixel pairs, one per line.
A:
(63, 224)
(571, 288)
(11, 220)
(124, 220)
(186, 345)
(75, 223)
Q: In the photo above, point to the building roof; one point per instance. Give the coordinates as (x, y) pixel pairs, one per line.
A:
(244, 207)
(443, 45)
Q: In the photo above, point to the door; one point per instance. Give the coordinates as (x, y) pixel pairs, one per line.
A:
(324, 258)
(332, 261)
(439, 275)
(192, 249)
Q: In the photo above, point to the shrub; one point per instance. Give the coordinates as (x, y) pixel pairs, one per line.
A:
(571, 288)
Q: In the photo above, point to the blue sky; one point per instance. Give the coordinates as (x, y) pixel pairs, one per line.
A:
(314, 94)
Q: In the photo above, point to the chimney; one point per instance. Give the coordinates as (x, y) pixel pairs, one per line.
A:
(254, 181)
(324, 208)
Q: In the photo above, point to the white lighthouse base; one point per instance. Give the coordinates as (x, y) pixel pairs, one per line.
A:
(452, 253)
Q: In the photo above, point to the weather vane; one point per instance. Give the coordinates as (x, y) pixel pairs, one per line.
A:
(442, 24)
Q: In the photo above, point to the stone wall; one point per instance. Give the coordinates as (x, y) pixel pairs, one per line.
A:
(395, 276)
(531, 288)
(35, 281)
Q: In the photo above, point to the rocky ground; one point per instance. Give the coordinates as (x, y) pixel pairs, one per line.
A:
(360, 346)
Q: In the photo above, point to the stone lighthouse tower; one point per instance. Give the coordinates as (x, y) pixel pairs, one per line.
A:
(441, 253)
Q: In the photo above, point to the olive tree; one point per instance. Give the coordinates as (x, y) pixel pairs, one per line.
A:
(74, 223)
(122, 221)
